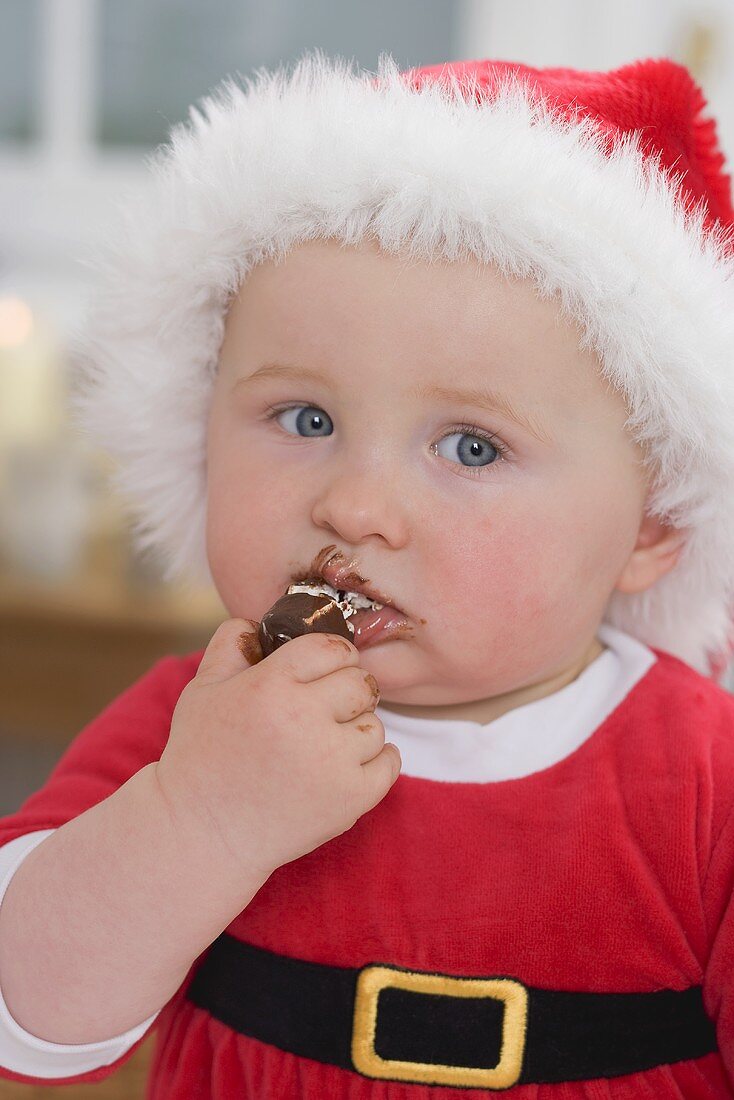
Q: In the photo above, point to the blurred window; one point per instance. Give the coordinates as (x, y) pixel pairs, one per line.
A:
(155, 57)
(19, 70)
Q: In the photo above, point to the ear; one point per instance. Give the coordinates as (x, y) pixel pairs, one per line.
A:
(656, 551)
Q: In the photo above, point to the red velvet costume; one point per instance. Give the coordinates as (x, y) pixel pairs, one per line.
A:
(610, 871)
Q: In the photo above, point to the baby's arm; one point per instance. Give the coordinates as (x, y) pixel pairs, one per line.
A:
(23, 1053)
(102, 921)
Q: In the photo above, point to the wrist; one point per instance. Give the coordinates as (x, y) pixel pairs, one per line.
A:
(199, 833)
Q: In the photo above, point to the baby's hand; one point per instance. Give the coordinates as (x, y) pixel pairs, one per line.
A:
(277, 758)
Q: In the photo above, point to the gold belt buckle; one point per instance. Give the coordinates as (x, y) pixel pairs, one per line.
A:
(373, 979)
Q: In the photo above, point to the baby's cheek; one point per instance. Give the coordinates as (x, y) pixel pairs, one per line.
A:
(550, 594)
(512, 582)
(243, 528)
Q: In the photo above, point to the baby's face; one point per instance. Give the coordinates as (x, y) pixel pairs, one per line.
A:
(501, 529)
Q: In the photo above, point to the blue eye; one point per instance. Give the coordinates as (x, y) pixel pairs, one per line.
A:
(310, 419)
(475, 449)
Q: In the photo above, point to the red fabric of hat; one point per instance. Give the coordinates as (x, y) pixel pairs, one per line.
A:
(657, 97)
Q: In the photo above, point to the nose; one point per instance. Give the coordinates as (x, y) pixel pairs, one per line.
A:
(355, 506)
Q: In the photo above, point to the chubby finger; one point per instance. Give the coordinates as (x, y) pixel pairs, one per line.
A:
(348, 692)
(366, 735)
(379, 774)
(310, 657)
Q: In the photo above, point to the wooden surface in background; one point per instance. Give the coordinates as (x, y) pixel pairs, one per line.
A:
(68, 648)
(127, 1083)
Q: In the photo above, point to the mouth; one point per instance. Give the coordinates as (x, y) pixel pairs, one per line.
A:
(371, 614)
(368, 620)
(331, 575)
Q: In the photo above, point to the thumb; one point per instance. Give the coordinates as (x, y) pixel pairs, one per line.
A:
(233, 645)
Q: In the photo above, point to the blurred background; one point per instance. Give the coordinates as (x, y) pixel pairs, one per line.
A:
(87, 88)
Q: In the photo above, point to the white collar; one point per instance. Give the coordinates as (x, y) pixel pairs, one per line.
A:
(530, 737)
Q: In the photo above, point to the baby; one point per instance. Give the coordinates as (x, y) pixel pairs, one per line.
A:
(463, 356)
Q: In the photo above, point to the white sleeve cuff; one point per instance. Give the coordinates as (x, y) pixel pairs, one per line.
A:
(24, 1053)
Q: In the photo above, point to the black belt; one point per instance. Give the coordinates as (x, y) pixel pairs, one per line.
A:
(404, 1025)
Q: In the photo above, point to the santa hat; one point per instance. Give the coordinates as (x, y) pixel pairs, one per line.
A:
(605, 188)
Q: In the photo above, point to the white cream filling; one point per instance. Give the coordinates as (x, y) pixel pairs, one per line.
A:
(348, 602)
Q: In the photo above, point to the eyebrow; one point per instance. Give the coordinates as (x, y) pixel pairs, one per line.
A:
(487, 399)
